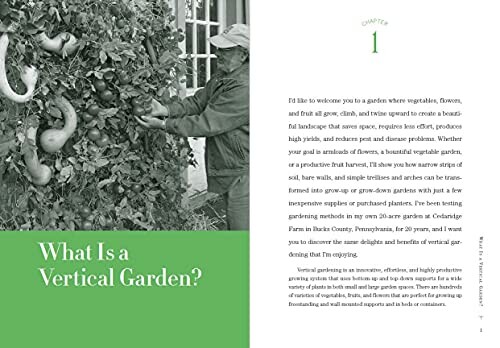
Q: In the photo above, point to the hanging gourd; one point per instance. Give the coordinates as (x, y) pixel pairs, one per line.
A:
(64, 44)
(40, 173)
(29, 76)
(52, 140)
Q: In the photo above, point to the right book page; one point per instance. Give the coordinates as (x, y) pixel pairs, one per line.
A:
(374, 210)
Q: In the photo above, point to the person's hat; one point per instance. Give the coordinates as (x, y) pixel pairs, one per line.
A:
(232, 36)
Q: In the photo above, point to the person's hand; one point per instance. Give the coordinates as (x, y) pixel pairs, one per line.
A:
(150, 122)
(158, 109)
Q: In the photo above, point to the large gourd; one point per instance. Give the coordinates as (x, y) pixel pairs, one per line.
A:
(52, 140)
(29, 76)
(40, 173)
(64, 44)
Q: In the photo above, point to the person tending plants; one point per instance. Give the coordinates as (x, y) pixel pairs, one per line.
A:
(219, 112)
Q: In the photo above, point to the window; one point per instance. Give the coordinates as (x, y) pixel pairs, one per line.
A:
(203, 19)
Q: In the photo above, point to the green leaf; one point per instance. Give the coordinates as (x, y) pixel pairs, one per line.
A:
(53, 12)
(103, 56)
(106, 182)
(100, 123)
(40, 103)
(6, 146)
(101, 162)
(124, 202)
(67, 19)
(114, 56)
(4, 28)
(55, 112)
(40, 23)
(133, 158)
(81, 18)
(45, 90)
(129, 53)
(86, 167)
(4, 9)
(142, 224)
(21, 48)
(166, 57)
(114, 122)
(65, 173)
(58, 164)
(31, 31)
(108, 112)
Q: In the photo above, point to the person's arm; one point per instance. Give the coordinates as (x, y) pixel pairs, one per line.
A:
(230, 110)
(192, 105)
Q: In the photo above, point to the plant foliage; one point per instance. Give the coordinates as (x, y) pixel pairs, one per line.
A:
(133, 180)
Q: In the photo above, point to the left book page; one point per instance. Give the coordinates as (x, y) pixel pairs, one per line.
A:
(103, 241)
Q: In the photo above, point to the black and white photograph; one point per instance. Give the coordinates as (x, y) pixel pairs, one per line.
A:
(124, 115)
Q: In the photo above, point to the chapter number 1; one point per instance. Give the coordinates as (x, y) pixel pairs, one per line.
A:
(375, 42)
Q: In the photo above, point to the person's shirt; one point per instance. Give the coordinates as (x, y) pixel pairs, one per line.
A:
(219, 112)
(221, 106)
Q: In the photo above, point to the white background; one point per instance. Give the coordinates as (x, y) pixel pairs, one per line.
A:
(320, 48)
